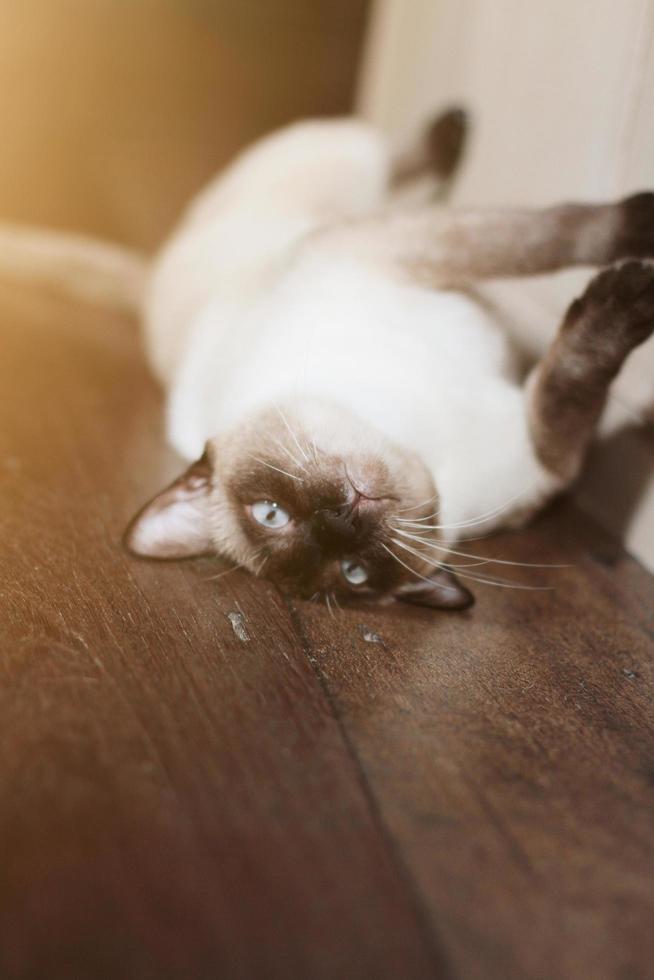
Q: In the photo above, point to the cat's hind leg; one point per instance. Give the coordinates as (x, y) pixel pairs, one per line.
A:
(568, 389)
(452, 249)
(427, 169)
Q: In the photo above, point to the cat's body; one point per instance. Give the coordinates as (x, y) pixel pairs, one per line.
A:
(350, 407)
(251, 306)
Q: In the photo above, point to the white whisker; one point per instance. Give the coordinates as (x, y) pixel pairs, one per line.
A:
(427, 559)
(427, 542)
(313, 451)
(418, 522)
(292, 434)
(424, 503)
(500, 583)
(503, 584)
(259, 569)
(480, 537)
(489, 513)
(426, 529)
(278, 469)
(467, 564)
(290, 455)
(471, 523)
(233, 568)
(480, 558)
(412, 570)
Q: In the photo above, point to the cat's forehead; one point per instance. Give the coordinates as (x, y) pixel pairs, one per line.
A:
(304, 489)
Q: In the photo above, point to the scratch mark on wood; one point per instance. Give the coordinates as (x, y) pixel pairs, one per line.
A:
(237, 619)
(370, 636)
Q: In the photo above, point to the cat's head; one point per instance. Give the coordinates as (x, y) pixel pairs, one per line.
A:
(313, 499)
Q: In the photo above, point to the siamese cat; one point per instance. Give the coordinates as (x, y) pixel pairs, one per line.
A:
(348, 408)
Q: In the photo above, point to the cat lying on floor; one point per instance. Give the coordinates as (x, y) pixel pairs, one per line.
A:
(348, 408)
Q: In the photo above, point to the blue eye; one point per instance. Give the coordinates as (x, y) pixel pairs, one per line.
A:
(268, 513)
(353, 573)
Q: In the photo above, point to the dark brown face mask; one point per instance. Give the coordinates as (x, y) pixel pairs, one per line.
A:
(342, 546)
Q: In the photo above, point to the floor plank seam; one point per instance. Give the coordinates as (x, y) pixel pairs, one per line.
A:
(423, 919)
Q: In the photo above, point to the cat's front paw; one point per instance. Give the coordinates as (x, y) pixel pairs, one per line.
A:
(635, 236)
(618, 305)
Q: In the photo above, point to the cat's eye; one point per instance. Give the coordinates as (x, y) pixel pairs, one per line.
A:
(268, 513)
(353, 573)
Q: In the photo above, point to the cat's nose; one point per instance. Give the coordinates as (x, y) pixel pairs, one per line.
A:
(336, 527)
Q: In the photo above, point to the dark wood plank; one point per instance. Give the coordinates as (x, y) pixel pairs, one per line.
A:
(178, 800)
(511, 752)
(398, 794)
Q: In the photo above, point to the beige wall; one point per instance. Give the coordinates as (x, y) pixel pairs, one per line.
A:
(113, 111)
(562, 97)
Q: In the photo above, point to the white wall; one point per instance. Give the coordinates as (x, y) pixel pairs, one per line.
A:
(562, 97)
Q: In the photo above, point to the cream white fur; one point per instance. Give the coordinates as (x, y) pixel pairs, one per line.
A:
(250, 305)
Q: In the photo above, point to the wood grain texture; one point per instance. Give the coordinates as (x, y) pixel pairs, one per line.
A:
(511, 750)
(200, 779)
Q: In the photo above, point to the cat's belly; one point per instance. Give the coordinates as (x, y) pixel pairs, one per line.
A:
(430, 370)
(406, 359)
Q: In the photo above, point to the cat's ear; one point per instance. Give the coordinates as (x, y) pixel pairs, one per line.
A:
(175, 524)
(441, 590)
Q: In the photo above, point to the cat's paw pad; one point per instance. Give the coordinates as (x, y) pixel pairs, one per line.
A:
(620, 302)
(636, 226)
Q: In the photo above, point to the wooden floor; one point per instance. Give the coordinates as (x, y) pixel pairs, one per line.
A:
(201, 780)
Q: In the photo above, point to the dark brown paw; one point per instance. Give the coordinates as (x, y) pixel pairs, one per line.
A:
(635, 237)
(618, 304)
